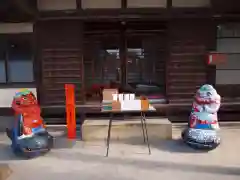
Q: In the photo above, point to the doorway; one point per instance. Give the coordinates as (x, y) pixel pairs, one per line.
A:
(124, 55)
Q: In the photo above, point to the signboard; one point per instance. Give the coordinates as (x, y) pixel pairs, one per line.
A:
(215, 58)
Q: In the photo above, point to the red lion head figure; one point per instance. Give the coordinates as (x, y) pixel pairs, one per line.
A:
(25, 97)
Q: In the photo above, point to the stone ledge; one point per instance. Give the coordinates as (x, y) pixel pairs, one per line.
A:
(94, 130)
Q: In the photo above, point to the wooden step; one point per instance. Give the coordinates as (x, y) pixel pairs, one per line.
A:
(62, 76)
(60, 50)
(187, 54)
(181, 101)
(180, 89)
(181, 95)
(61, 69)
(187, 74)
(63, 63)
(188, 81)
(194, 70)
(61, 56)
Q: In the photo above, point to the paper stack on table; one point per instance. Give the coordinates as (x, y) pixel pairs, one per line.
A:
(113, 101)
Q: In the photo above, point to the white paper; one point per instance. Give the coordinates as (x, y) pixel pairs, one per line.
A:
(132, 96)
(126, 97)
(134, 105)
(115, 97)
(120, 97)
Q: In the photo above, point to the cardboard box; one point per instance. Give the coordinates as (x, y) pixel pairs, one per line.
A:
(116, 106)
(144, 105)
(108, 94)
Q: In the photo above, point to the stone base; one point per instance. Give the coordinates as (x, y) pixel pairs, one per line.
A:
(94, 130)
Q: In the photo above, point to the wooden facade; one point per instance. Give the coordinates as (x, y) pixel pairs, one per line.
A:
(176, 41)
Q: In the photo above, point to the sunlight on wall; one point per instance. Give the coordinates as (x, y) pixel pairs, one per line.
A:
(6, 95)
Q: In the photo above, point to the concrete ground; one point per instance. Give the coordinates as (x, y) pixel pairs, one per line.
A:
(129, 160)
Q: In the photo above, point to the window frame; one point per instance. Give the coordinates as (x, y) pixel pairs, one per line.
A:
(221, 35)
(7, 60)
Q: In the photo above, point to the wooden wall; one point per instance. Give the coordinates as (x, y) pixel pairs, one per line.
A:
(60, 58)
(187, 68)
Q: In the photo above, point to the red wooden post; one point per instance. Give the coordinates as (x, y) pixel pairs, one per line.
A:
(70, 111)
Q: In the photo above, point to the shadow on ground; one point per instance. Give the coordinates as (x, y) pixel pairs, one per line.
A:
(60, 137)
(174, 145)
(6, 153)
(146, 164)
(62, 142)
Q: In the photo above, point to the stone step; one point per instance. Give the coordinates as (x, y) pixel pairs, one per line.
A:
(94, 130)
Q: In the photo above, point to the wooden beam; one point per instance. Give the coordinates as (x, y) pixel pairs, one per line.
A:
(5, 4)
(79, 4)
(135, 13)
(226, 6)
(169, 4)
(27, 6)
(124, 4)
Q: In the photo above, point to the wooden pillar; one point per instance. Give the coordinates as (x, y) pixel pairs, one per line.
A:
(123, 53)
(70, 110)
(212, 46)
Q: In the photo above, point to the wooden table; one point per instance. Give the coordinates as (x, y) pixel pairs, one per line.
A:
(144, 130)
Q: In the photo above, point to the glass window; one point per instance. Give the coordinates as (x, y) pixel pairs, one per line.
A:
(232, 63)
(92, 4)
(227, 77)
(51, 5)
(228, 45)
(224, 31)
(229, 30)
(146, 3)
(2, 72)
(20, 63)
(20, 71)
(2, 63)
(191, 3)
(228, 42)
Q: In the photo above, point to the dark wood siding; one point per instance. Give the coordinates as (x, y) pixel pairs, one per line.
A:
(187, 68)
(59, 46)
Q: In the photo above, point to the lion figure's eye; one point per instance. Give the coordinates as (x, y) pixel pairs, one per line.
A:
(209, 94)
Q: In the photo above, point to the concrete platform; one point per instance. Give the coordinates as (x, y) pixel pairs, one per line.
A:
(94, 130)
(171, 160)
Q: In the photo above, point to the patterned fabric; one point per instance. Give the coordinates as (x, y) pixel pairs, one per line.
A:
(205, 107)
(201, 139)
(127, 105)
(25, 104)
(28, 133)
(203, 120)
(21, 92)
(25, 97)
